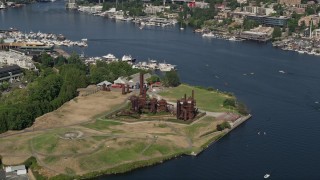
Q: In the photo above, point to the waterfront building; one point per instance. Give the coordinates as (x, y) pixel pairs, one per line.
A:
(289, 2)
(269, 21)
(258, 10)
(10, 73)
(14, 57)
(307, 20)
(221, 15)
(316, 34)
(171, 15)
(297, 10)
(153, 9)
(258, 34)
(197, 4)
(241, 1)
(90, 9)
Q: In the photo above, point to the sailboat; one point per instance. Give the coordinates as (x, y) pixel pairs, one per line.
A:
(181, 28)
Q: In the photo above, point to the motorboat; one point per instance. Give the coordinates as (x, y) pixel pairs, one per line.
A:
(166, 67)
(128, 58)
(110, 57)
(210, 35)
(266, 176)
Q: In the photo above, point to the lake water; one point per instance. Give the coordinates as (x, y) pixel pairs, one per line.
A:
(283, 104)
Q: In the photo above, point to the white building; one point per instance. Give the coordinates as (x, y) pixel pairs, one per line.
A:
(258, 10)
(90, 9)
(153, 9)
(20, 170)
(12, 57)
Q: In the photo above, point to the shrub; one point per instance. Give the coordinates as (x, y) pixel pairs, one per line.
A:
(242, 109)
(222, 126)
(229, 103)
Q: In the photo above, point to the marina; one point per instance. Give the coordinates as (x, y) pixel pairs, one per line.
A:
(301, 46)
(151, 64)
(19, 38)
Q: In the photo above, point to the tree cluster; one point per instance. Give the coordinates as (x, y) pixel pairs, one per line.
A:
(103, 71)
(171, 79)
(49, 91)
(250, 24)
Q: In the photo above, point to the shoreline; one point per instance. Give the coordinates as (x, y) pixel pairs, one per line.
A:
(159, 160)
(135, 165)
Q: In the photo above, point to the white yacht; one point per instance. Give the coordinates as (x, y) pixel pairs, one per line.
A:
(166, 67)
(210, 34)
(110, 57)
(266, 176)
(153, 64)
(128, 58)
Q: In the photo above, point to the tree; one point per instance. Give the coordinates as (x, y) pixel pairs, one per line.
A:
(106, 6)
(171, 78)
(229, 103)
(153, 79)
(4, 86)
(46, 60)
(310, 10)
(250, 24)
(276, 33)
(60, 60)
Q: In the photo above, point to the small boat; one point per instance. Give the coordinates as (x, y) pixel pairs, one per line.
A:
(266, 176)
(232, 38)
(164, 67)
(110, 57)
(210, 34)
(84, 39)
(2, 6)
(181, 28)
(128, 58)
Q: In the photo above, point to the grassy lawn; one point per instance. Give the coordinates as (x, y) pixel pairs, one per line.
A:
(199, 127)
(206, 100)
(112, 156)
(47, 142)
(101, 124)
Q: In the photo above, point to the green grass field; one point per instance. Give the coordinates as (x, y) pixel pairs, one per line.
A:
(206, 100)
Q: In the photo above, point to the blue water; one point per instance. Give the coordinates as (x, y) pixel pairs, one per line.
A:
(283, 105)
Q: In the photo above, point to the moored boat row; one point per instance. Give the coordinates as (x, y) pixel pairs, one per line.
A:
(146, 65)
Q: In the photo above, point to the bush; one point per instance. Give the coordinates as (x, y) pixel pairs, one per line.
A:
(229, 103)
(222, 126)
(31, 163)
(171, 78)
(242, 109)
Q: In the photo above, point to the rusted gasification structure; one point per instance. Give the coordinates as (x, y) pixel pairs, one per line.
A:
(186, 108)
(138, 103)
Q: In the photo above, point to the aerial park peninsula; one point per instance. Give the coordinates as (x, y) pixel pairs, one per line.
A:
(83, 126)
